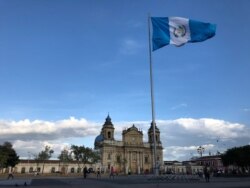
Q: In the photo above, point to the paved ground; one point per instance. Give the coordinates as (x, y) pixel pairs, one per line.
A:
(124, 182)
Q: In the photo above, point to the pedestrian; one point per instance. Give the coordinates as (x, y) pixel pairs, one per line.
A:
(10, 175)
(98, 174)
(112, 172)
(206, 173)
(85, 171)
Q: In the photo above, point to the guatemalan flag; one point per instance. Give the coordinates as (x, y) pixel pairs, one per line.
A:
(178, 31)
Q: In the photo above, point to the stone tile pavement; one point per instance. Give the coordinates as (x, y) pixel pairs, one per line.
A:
(124, 182)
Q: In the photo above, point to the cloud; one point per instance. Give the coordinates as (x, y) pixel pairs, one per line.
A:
(212, 127)
(183, 136)
(39, 129)
(180, 137)
(32, 136)
(183, 152)
(29, 149)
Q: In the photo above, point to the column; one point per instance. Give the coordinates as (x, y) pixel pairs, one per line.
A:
(138, 162)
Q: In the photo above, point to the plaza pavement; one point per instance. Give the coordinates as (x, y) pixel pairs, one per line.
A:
(132, 181)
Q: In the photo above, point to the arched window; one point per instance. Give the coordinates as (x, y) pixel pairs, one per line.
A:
(72, 170)
(109, 165)
(53, 170)
(109, 134)
(31, 169)
(23, 170)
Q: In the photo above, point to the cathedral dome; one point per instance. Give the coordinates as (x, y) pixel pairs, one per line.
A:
(98, 140)
(133, 128)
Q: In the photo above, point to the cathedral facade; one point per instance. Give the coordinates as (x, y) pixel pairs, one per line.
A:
(131, 154)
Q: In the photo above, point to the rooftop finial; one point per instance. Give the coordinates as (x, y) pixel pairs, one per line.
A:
(108, 121)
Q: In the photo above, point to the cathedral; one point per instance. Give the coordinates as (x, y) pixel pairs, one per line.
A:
(131, 154)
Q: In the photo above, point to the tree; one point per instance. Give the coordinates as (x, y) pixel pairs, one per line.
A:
(64, 158)
(84, 155)
(8, 156)
(95, 156)
(44, 155)
(65, 155)
(238, 156)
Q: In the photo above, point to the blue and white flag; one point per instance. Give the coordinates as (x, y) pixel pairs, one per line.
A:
(178, 31)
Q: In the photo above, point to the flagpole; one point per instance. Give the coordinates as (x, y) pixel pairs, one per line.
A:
(152, 96)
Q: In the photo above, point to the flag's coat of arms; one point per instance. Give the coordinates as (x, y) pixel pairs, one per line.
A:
(179, 31)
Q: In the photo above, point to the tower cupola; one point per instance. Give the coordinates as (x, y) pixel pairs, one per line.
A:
(108, 129)
(151, 134)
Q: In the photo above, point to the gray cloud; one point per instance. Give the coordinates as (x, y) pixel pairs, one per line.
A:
(39, 129)
(180, 137)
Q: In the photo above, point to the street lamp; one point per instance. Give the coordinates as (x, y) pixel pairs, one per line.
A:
(200, 150)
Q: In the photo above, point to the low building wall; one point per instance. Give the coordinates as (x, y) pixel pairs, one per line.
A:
(48, 166)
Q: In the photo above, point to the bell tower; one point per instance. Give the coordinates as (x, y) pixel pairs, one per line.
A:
(151, 135)
(108, 129)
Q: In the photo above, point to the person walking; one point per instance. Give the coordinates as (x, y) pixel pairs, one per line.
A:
(85, 171)
(10, 175)
(98, 173)
(206, 173)
(112, 173)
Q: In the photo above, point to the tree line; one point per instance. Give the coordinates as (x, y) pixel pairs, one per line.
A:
(8, 156)
(237, 156)
(81, 154)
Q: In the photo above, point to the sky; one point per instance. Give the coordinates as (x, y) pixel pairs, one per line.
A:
(65, 65)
